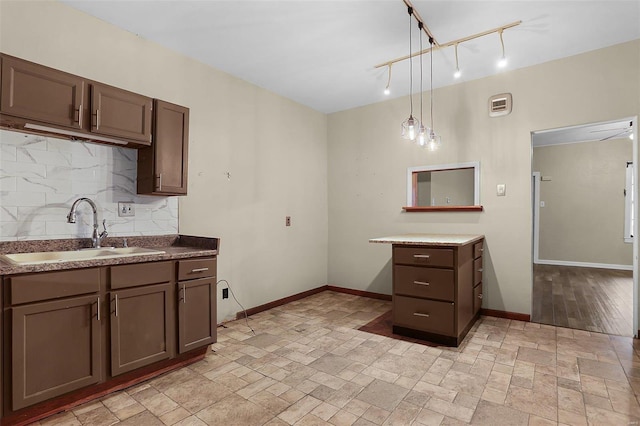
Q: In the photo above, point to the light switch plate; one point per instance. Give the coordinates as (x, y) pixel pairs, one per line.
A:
(501, 189)
(126, 209)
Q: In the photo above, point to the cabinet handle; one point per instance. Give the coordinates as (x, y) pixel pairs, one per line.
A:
(481, 249)
(480, 296)
(97, 119)
(480, 270)
(98, 308)
(184, 294)
(421, 283)
(421, 256)
(79, 120)
(116, 305)
(159, 177)
(418, 314)
(199, 270)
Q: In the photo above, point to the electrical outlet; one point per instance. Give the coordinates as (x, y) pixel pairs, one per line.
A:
(126, 209)
(287, 221)
(225, 293)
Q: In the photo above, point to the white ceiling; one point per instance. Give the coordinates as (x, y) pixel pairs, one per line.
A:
(322, 53)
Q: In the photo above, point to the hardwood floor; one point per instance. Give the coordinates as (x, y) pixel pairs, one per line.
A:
(590, 299)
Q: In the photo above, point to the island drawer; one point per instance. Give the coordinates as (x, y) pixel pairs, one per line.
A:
(442, 257)
(53, 285)
(432, 283)
(189, 269)
(424, 315)
(477, 271)
(478, 248)
(138, 274)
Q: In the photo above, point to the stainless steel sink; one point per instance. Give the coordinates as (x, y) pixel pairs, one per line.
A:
(77, 255)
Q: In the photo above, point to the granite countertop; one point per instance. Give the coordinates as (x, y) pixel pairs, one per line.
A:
(451, 240)
(174, 246)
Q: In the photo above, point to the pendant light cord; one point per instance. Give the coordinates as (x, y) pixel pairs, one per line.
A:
(410, 9)
(420, 26)
(431, 86)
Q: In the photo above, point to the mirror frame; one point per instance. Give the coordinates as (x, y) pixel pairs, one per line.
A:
(411, 171)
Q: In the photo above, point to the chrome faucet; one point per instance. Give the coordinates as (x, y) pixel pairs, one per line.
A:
(95, 238)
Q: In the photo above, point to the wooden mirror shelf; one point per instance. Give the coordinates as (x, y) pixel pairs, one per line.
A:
(412, 209)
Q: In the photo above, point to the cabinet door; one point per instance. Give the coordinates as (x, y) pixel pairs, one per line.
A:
(42, 94)
(197, 319)
(119, 113)
(55, 348)
(141, 327)
(162, 168)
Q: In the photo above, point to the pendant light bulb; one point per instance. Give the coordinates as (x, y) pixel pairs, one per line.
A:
(387, 91)
(433, 141)
(423, 135)
(410, 128)
(457, 74)
(502, 62)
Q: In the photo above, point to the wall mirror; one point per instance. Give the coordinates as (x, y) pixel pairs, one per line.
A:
(445, 187)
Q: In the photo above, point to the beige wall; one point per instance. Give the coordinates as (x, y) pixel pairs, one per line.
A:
(273, 148)
(368, 162)
(583, 216)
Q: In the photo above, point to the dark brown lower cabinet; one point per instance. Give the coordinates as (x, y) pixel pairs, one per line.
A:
(55, 348)
(196, 313)
(142, 323)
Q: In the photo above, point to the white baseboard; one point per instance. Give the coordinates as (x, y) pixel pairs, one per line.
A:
(585, 264)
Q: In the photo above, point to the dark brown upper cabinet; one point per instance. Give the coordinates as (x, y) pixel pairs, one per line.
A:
(120, 114)
(43, 100)
(162, 167)
(43, 94)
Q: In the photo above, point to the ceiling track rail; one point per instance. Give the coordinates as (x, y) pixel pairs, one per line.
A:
(437, 45)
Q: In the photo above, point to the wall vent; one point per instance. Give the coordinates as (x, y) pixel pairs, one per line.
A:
(500, 105)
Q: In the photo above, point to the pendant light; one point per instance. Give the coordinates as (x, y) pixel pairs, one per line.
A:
(433, 140)
(410, 125)
(422, 131)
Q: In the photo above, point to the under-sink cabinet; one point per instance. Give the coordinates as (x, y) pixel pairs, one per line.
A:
(67, 331)
(141, 313)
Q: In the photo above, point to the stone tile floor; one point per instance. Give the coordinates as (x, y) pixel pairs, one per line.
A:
(308, 364)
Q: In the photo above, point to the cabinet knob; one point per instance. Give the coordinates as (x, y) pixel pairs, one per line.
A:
(480, 296)
(480, 269)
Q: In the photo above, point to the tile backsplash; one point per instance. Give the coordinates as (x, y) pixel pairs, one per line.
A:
(40, 177)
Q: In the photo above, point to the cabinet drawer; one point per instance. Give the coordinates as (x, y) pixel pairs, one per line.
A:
(138, 274)
(477, 298)
(423, 256)
(431, 283)
(424, 315)
(196, 268)
(478, 248)
(477, 271)
(53, 285)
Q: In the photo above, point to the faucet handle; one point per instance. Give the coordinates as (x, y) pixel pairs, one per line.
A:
(104, 233)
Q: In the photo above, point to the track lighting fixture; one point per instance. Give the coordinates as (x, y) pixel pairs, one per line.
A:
(457, 74)
(386, 89)
(502, 62)
(411, 125)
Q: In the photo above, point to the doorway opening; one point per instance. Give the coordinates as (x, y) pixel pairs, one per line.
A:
(585, 265)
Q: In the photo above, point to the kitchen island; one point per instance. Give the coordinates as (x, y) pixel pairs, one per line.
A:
(437, 285)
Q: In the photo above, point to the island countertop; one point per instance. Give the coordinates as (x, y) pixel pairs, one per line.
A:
(451, 240)
(174, 247)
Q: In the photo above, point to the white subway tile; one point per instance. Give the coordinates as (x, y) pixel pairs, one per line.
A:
(35, 156)
(8, 153)
(12, 168)
(8, 214)
(22, 139)
(25, 184)
(10, 198)
(8, 183)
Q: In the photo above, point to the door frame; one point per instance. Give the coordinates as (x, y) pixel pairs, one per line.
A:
(535, 222)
